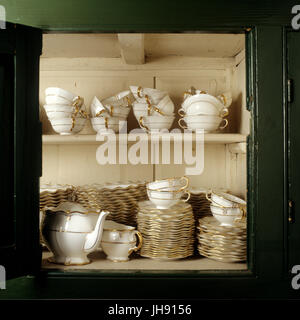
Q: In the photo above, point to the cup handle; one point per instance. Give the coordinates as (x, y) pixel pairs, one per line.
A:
(188, 197)
(111, 111)
(139, 89)
(206, 195)
(77, 101)
(180, 125)
(73, 123)
(140, 242)
(99, 114)
(142, 124)
(186, 180)
(158, 111)
(238, 218)
(225, 125)
(224, 112)
(181, 112)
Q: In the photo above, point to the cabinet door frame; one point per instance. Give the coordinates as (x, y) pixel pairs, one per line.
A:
(24, 45)
(291, 99)
(265, 209)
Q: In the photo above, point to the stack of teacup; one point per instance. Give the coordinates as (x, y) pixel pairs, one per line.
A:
(168, 192)
(153, 109)
(226, 208)
(111, 113)
(200, 110)
(65, 111)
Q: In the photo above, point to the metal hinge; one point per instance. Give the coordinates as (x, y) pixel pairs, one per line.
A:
(291, 217)
(290, 91)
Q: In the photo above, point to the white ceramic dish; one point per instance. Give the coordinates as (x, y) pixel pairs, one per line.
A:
(54, 91)
(202, 108)
(166, 199)
(52, 100)
(199, 98)
(226, 211)
(226, 200)
(144, 113)
(103, 125)
(97, 108)
(64, 126)
(154, 95)
(207, 123)
(169, 184)
(58, 108)
(121, 99)
(71, 232)
(58, 111)
(118, 111)
(166, 106)
(149, 123)
(139, 106)
(225, 219)
(203, 118)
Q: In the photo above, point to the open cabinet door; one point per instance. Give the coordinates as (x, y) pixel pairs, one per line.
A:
(20, 145)
(293, 147)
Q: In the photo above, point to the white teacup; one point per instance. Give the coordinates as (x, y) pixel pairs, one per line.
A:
(147, 95)
(121, 99)
(226, 200)
(150, 123)
(164, 199)
(56, 95)
(169, 184)
(227, 216)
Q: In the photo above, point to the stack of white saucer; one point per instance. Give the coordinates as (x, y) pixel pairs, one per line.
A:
(153, 109)
(65, 111)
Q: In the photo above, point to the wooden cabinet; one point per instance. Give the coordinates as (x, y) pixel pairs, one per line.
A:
(268, 182)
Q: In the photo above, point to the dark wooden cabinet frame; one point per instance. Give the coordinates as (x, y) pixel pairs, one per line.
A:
(268, 274)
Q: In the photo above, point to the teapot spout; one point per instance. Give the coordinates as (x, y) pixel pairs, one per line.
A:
(93, 239)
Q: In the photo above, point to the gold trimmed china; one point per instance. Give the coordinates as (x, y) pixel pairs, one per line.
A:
(119, 241)
(71, 232)
(227, 216)
(167, 234)
(65, 111)
(224, 199)
(226, 208)
(168, 192)
(152, 123)
(120, 199)
(60, 96)
(222, 243)
(104, 125)
(201, 110)
(208, 123)
(68, 126)
(121, 99)
(147, 95)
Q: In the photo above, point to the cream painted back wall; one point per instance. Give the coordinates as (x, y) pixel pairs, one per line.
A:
(103, 77)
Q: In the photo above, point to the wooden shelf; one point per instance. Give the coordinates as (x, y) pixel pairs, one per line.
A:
(213, 138)
(99, 262)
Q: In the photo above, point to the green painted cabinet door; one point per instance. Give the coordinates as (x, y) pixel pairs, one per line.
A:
(20, 145)
(293, 147)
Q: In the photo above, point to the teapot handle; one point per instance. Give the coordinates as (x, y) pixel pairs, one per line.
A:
(140, 242)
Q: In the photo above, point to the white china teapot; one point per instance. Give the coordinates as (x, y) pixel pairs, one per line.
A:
(71, 232)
